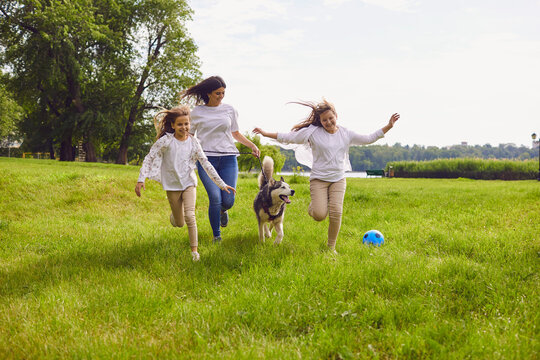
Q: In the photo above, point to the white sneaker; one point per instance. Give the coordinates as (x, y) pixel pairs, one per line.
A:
(195, 256)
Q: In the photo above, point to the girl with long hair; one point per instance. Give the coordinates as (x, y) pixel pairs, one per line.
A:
(329, 144)
(172, 161)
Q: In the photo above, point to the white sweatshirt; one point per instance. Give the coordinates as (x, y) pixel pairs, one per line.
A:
(172, 162)
(330, 151)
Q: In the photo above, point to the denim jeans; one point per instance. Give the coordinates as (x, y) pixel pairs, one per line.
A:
(227, 168)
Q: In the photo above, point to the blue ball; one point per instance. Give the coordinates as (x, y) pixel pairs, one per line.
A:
(374, 237)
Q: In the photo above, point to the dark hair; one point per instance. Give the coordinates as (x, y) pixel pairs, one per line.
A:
(316, 110)
(164, 119)
(201, 90)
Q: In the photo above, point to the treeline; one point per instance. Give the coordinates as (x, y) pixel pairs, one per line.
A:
(377, 156)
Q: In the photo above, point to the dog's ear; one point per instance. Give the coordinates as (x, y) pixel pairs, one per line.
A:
(282, 179)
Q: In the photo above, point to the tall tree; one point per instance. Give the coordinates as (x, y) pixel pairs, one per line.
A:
(50, 48)
(167, 61)
(86, 70)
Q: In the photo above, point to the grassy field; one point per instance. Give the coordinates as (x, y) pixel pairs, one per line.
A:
(88, 270)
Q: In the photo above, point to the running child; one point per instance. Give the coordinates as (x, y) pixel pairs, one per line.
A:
(172, 161)
(329, 145)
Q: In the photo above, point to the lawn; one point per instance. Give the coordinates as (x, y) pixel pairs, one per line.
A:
(88, 270)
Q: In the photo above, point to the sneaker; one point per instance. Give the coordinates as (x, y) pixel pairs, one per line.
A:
(195, 256)
(224, 218)
(217, 239)
(332, 251)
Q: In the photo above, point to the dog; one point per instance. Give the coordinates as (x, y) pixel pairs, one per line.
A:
(269, 205)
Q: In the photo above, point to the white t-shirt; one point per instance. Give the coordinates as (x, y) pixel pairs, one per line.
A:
(213, 126)
(330, 151)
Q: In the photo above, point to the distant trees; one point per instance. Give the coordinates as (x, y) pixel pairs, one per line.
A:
(10, 114)
(377, 156)
(248, 162)
(87, 70)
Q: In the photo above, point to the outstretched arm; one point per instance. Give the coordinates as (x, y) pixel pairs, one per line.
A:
(391, 122)
(264, 133)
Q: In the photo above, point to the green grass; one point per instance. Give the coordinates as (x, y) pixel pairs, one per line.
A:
(88, 270)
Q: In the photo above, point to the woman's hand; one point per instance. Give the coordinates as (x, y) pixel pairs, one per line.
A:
(228, 189)
(255, 151)
(138, 188)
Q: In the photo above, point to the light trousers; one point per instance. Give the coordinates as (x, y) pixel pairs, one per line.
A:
(327, 200)
(183, 211)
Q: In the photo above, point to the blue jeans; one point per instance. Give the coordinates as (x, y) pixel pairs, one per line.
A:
(227, 168)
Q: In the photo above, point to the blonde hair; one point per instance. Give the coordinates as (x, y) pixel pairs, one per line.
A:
(165, 118)
(314, 117)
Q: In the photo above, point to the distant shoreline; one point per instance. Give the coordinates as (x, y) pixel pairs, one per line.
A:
(350, 174)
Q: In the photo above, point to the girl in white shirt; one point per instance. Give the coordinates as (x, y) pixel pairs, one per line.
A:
(329, 145)
(172, 161)
(215, 125)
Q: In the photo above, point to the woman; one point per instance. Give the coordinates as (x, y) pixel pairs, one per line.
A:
(215, 125)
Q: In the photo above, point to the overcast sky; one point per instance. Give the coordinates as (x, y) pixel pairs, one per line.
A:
(456, 70)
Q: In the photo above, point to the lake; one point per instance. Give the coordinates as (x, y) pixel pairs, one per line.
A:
(351, 174)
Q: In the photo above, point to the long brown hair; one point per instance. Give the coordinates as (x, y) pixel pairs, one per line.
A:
(164, 119)
(316, 110)
(200, 91)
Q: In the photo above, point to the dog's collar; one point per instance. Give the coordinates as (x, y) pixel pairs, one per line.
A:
(270, 216)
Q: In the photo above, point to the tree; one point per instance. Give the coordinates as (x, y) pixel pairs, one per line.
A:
(247, 162)
(52, 49)
(10, 114)
(86, 70)
(168, 62)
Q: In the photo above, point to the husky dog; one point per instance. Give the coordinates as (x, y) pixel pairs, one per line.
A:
(269, 205)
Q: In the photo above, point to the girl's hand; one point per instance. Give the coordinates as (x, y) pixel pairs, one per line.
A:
(228, 189)
(138, 188)
(255, 151)
(393, 119)
(265, 133)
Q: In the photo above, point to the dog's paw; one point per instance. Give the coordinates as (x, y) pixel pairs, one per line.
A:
(278, 241)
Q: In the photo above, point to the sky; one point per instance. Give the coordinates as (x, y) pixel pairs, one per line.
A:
(455, 70)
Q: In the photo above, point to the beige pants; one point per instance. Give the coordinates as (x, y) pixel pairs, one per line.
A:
(183, 211)
(327, 199)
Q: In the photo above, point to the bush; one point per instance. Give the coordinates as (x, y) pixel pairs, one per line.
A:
(467, 168)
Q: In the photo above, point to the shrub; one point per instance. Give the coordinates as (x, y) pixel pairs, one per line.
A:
(467, 168)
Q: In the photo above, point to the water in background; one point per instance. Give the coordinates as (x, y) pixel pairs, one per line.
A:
(352, 174)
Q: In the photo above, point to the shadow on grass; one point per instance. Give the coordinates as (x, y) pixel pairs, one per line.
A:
(159, 257)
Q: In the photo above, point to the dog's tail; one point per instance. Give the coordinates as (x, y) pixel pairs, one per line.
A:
(267, 171)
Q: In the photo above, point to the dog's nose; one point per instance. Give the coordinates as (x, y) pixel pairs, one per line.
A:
(292, 192)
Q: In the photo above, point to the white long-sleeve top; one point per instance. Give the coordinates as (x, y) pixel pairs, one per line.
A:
(330, 151)
(172, 162)
(213, 126)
